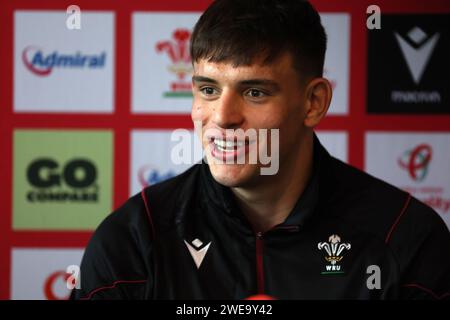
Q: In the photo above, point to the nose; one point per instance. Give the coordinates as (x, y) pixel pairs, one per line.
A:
(227, 111)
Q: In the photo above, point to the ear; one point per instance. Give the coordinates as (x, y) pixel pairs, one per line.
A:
(318, 97)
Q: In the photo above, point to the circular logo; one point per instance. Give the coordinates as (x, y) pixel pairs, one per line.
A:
(416, 161)
(52, 282)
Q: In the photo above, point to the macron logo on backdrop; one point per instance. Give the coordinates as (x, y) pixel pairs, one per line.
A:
(418, 54)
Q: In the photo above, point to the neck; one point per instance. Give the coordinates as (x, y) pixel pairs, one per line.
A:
(270, 201)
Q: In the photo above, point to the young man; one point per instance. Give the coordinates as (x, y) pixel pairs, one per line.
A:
(316, 229)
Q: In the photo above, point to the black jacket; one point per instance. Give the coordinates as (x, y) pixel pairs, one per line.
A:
(344, 227)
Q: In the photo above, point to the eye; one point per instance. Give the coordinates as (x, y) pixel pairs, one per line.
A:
(255, 93)
(207, 91)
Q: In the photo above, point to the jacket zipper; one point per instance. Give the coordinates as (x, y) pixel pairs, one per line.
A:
(259, 262)
(260, 255)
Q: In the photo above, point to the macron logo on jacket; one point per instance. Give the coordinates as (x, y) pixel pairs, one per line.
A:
(197, 254)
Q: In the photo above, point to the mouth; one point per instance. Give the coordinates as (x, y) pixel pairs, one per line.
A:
(229, 148)
(228, 145)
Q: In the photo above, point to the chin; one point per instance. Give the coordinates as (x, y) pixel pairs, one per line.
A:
(233, 175)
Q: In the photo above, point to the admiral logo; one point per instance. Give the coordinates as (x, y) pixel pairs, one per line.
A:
(58, 69)
(407, 64)
(41, 64)
(75, 181)
(148, 175)
(416, 161)
(334, 249)
(178, 52)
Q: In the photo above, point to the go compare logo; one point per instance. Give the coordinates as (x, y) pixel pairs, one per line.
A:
(62, 179)
(78, 174)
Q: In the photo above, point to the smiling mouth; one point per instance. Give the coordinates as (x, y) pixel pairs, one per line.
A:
(228, 149)
(228, 145)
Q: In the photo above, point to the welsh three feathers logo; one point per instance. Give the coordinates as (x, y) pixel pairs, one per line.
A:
(334, 249)
(178, 51)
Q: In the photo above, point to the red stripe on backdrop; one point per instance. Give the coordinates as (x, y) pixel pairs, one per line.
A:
(51, 239)
(122, 105)
(165, 121)
(124, 5)
(386, 6)
(356, 95)
(5, 211)
(73, 121)
(6, 73)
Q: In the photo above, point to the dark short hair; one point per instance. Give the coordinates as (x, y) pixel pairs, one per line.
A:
(238, 31)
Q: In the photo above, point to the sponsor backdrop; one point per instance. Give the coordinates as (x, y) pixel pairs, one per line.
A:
(87, 115)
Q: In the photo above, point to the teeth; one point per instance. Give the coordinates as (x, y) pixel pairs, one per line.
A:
(225, 144)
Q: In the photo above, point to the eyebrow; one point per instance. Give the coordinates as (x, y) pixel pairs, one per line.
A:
(251, 82)
(203, 79)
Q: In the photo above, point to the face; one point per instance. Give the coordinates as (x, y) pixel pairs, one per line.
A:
(259, 96)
